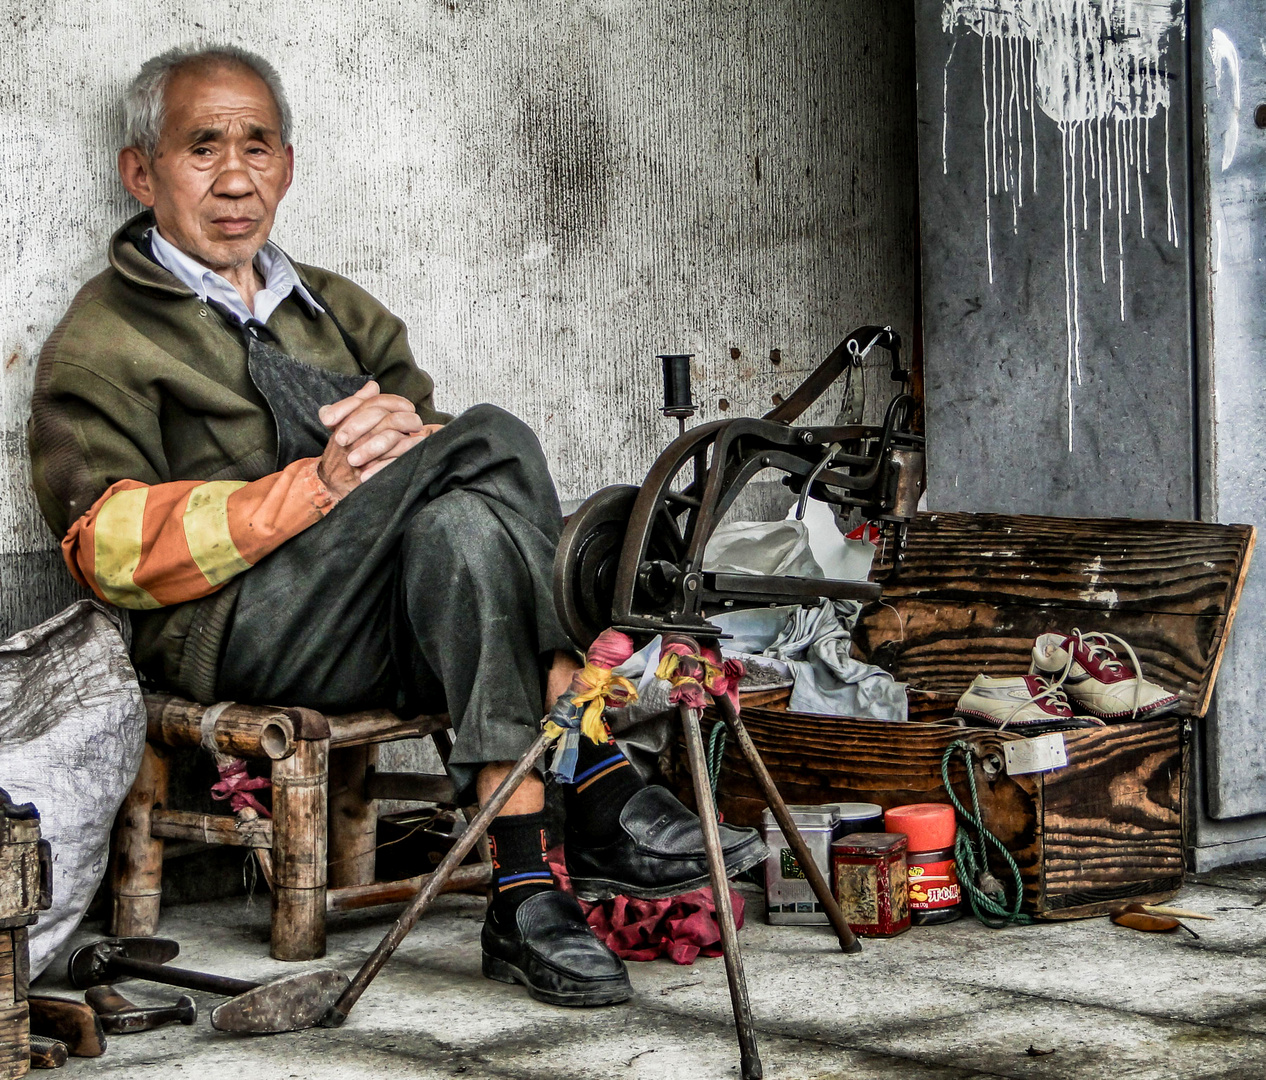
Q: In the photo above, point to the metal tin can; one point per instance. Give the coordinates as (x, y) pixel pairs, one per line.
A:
(789, 898)
(856, 817)
(935, 895)
(868, 876)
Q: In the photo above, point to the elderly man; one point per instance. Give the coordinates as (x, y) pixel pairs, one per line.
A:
(242, 451)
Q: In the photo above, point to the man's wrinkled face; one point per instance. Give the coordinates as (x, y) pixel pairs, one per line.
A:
(219, 169)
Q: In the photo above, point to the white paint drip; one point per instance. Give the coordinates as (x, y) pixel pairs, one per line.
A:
(1223, 53)
(1094, 67)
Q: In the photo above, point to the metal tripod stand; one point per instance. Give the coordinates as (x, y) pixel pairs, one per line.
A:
(748, 1051)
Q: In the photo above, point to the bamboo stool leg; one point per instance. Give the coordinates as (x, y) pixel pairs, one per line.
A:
(848, 942)
(137, 876)
(353, 819)
(300, 805)
(749, 1054)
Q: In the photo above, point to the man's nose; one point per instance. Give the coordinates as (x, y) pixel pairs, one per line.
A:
(233, 180)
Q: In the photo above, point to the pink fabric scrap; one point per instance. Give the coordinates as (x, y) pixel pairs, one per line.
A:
(680, 927)
(610, 649)
(732, 672)
(686, 689)
(236, 786)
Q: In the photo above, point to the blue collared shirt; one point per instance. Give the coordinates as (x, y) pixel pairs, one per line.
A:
(280, 279)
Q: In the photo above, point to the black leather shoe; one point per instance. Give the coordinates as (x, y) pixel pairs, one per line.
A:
(658, 853)
(551, 950)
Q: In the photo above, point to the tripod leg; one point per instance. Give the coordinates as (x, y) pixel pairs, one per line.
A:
(748, 1053)
(848, 942)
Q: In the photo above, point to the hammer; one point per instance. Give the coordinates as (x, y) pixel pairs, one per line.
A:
(291, 1003)
(121, 1017)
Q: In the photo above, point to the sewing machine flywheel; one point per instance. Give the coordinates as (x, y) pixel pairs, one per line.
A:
(589, 556)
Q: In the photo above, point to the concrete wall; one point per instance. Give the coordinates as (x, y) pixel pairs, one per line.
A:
(549, 192)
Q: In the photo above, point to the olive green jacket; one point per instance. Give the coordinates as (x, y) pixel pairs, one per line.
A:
(143, 381)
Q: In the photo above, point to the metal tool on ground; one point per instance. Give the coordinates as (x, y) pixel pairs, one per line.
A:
(291, 1003)
(47, 1053)
(119, 1016)
(69, 1022)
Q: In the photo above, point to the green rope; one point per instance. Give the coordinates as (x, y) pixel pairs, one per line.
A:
(715, 755)
(972, 860)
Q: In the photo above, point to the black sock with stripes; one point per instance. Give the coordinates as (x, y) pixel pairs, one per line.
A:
(605, 781)
(519, 867)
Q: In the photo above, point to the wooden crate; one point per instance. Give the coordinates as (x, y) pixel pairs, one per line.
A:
(25, 890)
(1106, 827)
(971, 595)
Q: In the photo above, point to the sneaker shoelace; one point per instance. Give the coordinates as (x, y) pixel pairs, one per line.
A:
(1052, 695)
(1100, 651)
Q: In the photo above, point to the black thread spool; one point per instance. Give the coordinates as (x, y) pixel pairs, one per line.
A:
(677, 399)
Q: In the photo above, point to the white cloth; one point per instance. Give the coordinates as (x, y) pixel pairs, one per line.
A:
(812, 642)
(280, 279)
(773, 548)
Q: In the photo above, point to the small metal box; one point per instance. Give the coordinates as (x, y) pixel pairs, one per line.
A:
(788, 896)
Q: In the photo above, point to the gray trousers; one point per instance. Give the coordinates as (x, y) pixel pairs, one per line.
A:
(429, 586)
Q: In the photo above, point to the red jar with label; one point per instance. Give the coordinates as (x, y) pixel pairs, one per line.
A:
(934, 893)
(868, 874)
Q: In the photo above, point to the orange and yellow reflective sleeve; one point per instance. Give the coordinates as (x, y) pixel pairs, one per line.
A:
(147, 546)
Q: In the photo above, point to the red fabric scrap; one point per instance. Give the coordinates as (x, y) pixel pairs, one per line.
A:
(680, 927)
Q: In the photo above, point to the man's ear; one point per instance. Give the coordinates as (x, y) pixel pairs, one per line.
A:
(134, 171)
(290, 165)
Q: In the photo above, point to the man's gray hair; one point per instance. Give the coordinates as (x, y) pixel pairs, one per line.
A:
(144, 105)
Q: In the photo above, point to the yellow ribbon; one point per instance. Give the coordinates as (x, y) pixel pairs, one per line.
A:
(669, 662)
(600, 685)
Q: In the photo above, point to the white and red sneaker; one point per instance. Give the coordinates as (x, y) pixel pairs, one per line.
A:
(1087, 666)
(1017, 701)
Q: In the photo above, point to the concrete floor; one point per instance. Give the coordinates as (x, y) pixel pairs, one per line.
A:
(956, 1001)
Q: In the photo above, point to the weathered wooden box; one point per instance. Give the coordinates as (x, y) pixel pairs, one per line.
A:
(971, 595)
(25, 890)
(1105, 827)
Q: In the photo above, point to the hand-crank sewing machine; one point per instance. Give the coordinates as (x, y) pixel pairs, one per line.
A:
(632, 557)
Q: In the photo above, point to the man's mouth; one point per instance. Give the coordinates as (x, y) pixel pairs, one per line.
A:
(234, 226)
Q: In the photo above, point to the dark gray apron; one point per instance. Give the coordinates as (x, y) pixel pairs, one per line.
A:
(295, 393)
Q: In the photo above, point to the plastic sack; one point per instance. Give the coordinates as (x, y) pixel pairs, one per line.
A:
(843, 558)
(72, 731)
(772, 548)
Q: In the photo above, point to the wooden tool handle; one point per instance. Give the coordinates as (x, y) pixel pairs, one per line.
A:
(435, 883)
(106, 999)
(47, 1053)
(848, 942)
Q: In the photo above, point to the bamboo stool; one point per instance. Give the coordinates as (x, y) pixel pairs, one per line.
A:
(324, 783)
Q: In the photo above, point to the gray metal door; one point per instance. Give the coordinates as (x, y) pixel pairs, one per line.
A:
(1053, 165)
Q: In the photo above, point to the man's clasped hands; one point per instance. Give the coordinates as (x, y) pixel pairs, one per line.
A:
(370, 430)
